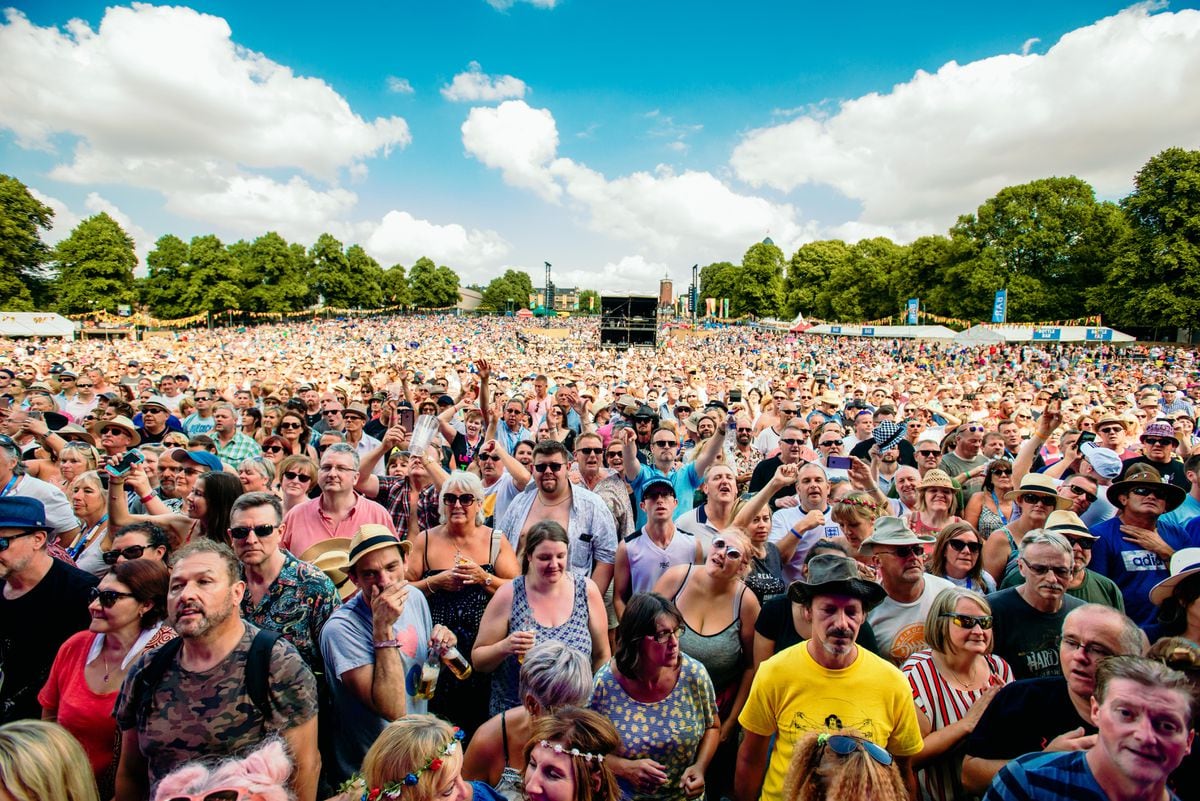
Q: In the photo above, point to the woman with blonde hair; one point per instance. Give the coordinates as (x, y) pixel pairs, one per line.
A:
(842, 767)
(416, 758)
(89, 502)
(856, 514)
(564, 758)
(40, 761)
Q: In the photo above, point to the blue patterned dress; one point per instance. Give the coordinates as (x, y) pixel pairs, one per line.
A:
(669, 731)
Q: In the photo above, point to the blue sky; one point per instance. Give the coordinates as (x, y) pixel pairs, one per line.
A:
(620, 141)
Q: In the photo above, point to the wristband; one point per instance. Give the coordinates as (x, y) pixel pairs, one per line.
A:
(388, 644)
(794, 534)
(146, 497)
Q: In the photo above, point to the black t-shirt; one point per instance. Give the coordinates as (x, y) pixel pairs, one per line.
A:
(764, 471)
(775, 623)
(908, 454)
(1024, 637)
(375, 428)
(1173, 471)
(152, 439)
(32, 628)
(1023, 718)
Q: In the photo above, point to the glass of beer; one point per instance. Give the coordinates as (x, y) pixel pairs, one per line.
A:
(457, 663)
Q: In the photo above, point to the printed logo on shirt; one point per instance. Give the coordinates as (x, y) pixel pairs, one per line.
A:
(1142, 561)
(909, 640)
(803, 723)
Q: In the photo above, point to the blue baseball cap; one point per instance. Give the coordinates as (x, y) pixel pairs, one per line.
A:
(202, 458)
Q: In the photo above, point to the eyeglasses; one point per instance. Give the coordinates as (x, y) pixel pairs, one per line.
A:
(844, 745)
(303, 478)
(1158, 441)
(553, 467)
(7, 541)
(464, 500)
(732, 551)
(1034, 497)
(906, 551)
(483, 457)
(1077, 490)
(930, 453)
(290, 426)
(193, 471)
(591, 451)
(273, 449)
(831, 443)
(790, 441)
(1144, 492)
(1090, 648)
(131, 552)
(261, 531)
(965, 545)
(666, 443)
(336, 468)
(663, 637)
(969, 621)
(107, 598)
(1063, 573)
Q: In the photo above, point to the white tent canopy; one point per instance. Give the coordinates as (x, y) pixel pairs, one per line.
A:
(35, 324)
(883, 331)
(1040, 333)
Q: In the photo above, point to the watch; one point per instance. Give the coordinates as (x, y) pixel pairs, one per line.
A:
(487, 582)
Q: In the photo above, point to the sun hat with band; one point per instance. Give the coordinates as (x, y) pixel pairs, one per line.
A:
(331, 557)
(887, 435)
(1143, 475)
(835, 574)
(893, 531)
(1185, 563)
(373, 537)
(937, 478)
(120, 421)
(1067, 523)
(1038, 484)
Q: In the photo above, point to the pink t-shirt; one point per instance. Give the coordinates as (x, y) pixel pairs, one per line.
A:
(308, 524)
(87, 715)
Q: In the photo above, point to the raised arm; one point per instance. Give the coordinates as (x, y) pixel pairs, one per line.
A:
(368, 482)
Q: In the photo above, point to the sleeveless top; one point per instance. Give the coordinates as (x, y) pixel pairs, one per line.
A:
(648, 561)
(1010, 567)
(511, 786)
(574, 633)
(720, 653)
(990, 521)
(766, 575)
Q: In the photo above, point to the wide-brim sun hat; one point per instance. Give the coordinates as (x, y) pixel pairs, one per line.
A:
(936, 478)
(835, 574)
(1067, 523)
(1185, 563)
(893, 531)
(120, 421)
(1143, 475)
(1038, 484)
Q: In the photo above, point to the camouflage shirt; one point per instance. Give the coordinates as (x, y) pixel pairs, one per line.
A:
(193, 715)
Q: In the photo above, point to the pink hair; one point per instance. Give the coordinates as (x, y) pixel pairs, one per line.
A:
(264, 772)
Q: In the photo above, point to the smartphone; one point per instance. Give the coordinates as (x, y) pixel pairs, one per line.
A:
(1086, 436)
(735, 396)
(405, 415)
(839, 463)
(124, 464)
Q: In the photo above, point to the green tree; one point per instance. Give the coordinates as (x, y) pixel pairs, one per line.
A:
(396, 289)
(330, 272)
(433, 287)
(94, 267)
(860, 286)
(759, 288)
(23, 254)
(514, 285)
(589, 301)
(1156, 280)
(273, 274)
(808, 270)
(169, 275)
(368, 279)
(717, 280)
(214, 277)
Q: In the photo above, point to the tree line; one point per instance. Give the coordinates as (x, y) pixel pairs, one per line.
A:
(1059, 252)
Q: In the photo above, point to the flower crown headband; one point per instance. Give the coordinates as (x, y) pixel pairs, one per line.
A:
(395, 789)
(865, 503)
(558, 748)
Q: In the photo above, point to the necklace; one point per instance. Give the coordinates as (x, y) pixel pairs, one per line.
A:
(107, 672)
(954, 678)
(566, 498)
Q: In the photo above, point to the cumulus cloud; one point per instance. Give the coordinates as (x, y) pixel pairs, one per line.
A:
(401, 238)
(667, 213)
(629, 274)
(476, 86)
(504, 5)
(1097, 104)
(66, 219)
(399, 86)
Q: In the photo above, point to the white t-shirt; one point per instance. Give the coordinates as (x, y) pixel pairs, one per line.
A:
(781, 526)
(900, 628)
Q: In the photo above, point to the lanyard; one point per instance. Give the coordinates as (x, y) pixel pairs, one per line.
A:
(86, 538)
(999, 511)
(12, 482)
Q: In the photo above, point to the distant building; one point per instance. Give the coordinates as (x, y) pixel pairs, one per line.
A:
(468, 299)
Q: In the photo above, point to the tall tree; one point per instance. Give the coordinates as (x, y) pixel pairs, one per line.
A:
(214, 277)
(808, 270)
(1156, 281)
(759, 289)
(273, 274)
(169, 274)
(396, 290)
(589, 301)
(23, 254)
(433, 287)
(95, 267)
(717, 280)
(860, 286)
(514, 285)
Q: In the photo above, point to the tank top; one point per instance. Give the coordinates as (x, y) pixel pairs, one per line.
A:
(720, 653)
(574, 633)
(648, 561)
(990, 521)
(511, 786)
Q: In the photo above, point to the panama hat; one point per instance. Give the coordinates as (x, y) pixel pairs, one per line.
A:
(1184, 563)
(372, 537)
(1038, 484)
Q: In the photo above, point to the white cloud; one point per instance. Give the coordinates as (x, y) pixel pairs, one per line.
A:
(629, 274)
(1028, 44)
(671, 215)
(675, 133)
(401, 238)
(1097, 104)
(65, 221)
(504, 5)
(399, 86)
(476, 86)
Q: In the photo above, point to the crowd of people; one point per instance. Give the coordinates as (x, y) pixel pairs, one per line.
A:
(454, 558)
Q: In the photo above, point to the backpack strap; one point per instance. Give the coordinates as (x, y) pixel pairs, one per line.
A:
(152, 672)
(258, 671)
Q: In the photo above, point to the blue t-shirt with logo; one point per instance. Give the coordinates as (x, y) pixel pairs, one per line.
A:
(1134, 569)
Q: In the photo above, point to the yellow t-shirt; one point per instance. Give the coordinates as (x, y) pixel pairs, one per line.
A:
(793, 695)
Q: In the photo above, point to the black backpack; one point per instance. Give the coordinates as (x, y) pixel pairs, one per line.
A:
(257, 678)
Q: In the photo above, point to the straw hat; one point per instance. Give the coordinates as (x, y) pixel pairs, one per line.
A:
(1184, 563)
(1038, 484)
(332, 557)
(120, 421)
(373, 537)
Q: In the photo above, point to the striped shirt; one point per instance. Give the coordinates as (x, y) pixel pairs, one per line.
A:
(1049, 776)
(944, 705)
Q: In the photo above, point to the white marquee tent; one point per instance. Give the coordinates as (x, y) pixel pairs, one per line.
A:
(883, 331)
(985, 334)
(35, 324)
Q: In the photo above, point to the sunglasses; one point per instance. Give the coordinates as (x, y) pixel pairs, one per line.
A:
(720, 544)
(273, 449)
(1085, 543)
(1158, 441)
(290, 426)
(1112, 430)
(1076, 490)
(1034, 497)
(84, 386)
(740, 429)
(906, 551)
(112, 432)
(591, 451)
(1144, 492)
(969, 621)
(303, 478)
(965, 545)
(975, 429)
(262, 531)
(930, 453)
(107, 598)
(553, 467)
(483, 457)
(1063, 573)
(790, 440)
(844, 745)
(1002, 471)
(131, 552)
(663, 637)
(464, 500)
(7, 541)
(666, 443)
(615, 455)
(831, 443)
(232, 794)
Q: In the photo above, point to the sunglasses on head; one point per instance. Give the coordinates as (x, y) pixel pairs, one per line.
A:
(969, 621)
(553, 467)
(130, 552)
(303, 478)
(731, 551)
(107, 598)
(261, 531)
(965, 545)
(845, 745)
(464, 500)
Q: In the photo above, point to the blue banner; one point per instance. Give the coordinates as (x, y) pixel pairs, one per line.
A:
(835, 329)
(868, 331)
(1000, 306)
(1099, 335)
(1047, 334)
(914, 305)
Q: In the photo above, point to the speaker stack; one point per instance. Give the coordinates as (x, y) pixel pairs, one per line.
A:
(628, 321)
